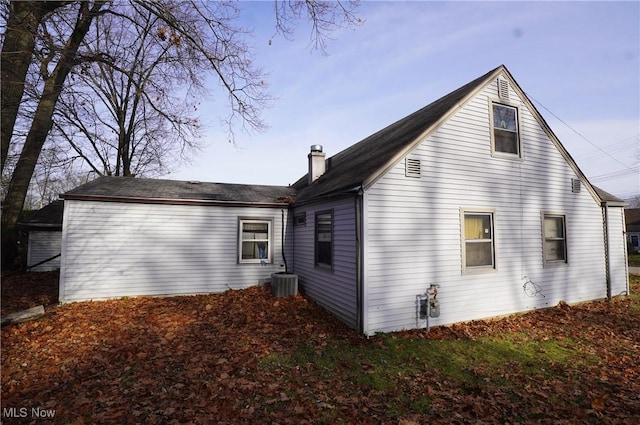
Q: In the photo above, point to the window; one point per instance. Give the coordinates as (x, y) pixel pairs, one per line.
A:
(555, 239)
(324, 239)
(635, 240)
(254, 241)
(479, 247)
(505, 129)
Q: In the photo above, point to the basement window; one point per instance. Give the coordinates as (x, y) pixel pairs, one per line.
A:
(505, 137)
(254, 241)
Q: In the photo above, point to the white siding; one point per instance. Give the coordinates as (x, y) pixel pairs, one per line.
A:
(413, 229)
(115, 249)
(619, 274)
(42, 246)
(335, 289)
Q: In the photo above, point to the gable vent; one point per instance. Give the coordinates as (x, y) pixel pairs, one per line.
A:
(575, 185)
(412, 167)
(503, 89)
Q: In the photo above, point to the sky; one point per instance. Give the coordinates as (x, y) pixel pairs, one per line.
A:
(579, 62)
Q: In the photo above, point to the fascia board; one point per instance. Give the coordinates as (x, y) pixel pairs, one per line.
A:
(551, 135)
(103, 198)
(369, 181)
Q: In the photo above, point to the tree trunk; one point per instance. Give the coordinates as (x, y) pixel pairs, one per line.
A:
(17, 50)
(42, 123)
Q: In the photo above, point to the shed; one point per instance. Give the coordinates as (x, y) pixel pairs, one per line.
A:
(44, 229)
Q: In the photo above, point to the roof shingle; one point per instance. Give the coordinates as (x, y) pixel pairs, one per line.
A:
(123, 188)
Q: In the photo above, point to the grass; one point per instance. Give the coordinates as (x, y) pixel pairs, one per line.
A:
(634, 260)
(507, 363)
(255, 359)
(463, 361)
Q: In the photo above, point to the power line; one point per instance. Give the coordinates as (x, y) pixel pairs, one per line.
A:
(615, 175)
(621, 145)
(579, 134)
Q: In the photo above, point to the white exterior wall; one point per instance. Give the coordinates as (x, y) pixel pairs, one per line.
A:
(413, 226)
(335, 290)
(619, 273)
(43, 245)
(113, 249)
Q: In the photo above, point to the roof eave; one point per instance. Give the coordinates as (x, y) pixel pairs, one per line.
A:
(614, 204)
(369, 181)
(172, 201)
(552, 136)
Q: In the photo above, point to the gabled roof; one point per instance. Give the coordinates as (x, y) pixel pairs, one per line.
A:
(48, 217)
(353, 166)
(131, 189)
(360, 164)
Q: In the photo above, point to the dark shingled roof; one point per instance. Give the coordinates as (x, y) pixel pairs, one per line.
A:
(139, 189)
(49, 217)
(606, 196)
(346, 171)
(351, 167)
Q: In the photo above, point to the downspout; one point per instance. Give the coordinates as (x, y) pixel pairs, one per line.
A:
(607, 256)
(359, 259)
(284, 257)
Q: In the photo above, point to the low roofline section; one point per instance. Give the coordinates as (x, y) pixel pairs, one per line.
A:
(170, 201)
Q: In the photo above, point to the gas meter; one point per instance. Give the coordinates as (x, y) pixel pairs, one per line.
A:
(434, 304)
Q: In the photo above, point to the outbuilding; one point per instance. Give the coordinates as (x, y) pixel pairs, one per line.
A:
(44, 236)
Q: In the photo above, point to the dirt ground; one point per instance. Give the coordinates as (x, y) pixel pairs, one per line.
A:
(21, 290)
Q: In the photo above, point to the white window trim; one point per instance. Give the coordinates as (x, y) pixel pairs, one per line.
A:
(317, 264)
(478, 269)
(269, 240)
(554, 263)
(497, 154)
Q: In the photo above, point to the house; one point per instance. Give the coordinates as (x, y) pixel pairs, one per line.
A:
(632, 219)
(44, 229)
(473, 195)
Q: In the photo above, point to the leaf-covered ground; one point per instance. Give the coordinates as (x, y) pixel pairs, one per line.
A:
(246, 357)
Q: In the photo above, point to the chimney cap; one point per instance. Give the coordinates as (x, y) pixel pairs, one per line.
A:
(316, 148)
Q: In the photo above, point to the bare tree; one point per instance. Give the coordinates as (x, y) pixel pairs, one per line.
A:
(123, 116)
(61, 62)
(192, 39)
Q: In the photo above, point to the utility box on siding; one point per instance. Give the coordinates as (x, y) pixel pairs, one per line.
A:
(284, 284)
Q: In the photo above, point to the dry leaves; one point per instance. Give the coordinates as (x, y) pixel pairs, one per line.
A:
(201, 360)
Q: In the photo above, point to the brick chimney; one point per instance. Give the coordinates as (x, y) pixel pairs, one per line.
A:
(317, 164)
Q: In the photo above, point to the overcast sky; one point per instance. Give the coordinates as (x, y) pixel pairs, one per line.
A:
(577, 61)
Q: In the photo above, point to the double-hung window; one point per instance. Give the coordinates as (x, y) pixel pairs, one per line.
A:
(324, 239)
(505, 130)
(254, 241)
(554, 238)
(478, 241)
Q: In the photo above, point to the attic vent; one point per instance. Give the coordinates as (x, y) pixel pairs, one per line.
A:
(503, 89)
(412, 167)
(575, 185)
